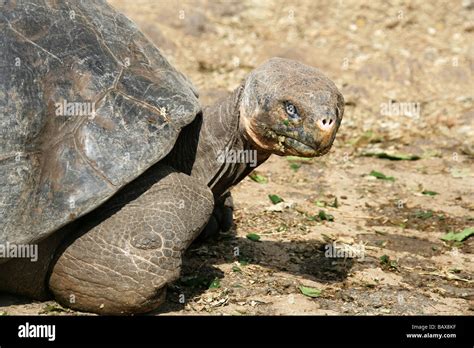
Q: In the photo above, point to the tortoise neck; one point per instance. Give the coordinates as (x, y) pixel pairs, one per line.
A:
(224, 155)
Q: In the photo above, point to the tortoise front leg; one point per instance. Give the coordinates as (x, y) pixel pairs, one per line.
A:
(222, 218)
(122, 264)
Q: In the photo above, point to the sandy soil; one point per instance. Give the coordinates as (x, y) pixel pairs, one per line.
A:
(406, 52)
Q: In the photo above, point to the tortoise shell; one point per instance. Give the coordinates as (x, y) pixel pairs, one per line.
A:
(87, 104)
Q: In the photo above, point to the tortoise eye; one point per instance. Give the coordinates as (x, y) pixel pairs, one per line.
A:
(291, 110)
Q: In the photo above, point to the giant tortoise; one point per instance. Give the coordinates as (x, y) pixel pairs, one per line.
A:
(109, 163)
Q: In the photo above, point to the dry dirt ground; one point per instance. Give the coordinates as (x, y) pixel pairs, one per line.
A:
(378, 54)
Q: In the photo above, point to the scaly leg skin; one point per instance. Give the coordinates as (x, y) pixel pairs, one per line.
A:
(123, 263)
(221, 220)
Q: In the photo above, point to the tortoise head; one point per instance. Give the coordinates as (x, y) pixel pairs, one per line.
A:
(288, 108)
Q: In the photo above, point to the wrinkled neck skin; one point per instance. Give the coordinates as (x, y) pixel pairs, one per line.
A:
(224, 153)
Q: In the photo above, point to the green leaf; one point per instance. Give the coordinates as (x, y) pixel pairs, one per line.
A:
(253, 237)
(297, 159)
(236, 269)
(335, 204)
(244, 262)
(366, 137)
(295, 166)
(386, 261)
(310, 292)
(311, 217)
(381, 176)
(323, 216)
(53, 309)
(275, 199)
(215, 284)
(392, 156)
(429, 193)
(320, 204)
(258, 178)
(460, 236)
(368, 134)
(460, 172)
(424, 214)
(432, 153)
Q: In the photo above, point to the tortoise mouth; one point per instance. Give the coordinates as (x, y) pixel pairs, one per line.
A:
(290, 145)
(282, 143)
(301, 147)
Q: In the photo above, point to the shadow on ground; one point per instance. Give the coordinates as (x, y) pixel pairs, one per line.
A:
(304, 259)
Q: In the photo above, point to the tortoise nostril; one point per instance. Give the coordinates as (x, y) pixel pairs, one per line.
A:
(326, 124)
